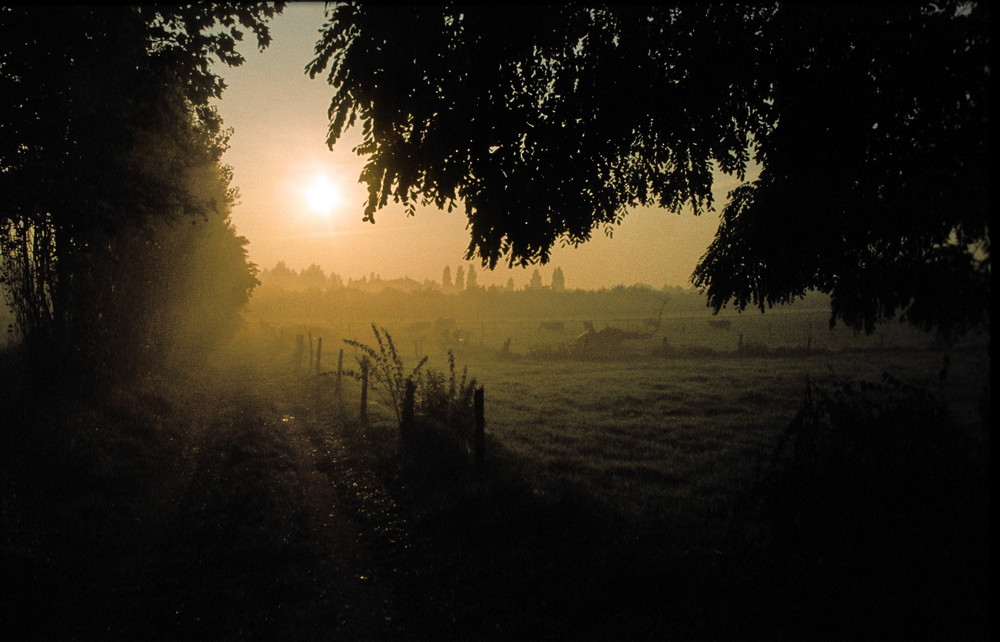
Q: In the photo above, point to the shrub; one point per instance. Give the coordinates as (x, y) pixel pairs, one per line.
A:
(447, 402)
(443, 404)
(386, 373)
(874, 493)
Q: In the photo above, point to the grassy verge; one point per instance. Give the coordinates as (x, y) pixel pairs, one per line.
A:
(611, 508)
(181, 507)
(252, 502)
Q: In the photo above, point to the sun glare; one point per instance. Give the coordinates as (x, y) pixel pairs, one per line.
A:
(322, 196)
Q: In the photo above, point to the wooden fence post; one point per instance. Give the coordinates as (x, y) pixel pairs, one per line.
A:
(319, 352)
(480, 427)
(364, 390)
(406, 422)
(340, 367)
(310, 350)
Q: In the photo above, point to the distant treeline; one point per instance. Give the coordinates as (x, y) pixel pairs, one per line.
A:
(309, 298)
(465, 278)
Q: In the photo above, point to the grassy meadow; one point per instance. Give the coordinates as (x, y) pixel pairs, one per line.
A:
(637, 460)
(628, 489)
(652, 431)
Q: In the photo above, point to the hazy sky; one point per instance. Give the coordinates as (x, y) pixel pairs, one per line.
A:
(278, 152)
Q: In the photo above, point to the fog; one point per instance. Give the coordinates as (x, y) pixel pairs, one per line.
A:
(423, 322)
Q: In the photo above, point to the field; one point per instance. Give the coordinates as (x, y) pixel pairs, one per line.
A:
(645, 451)
(619, 496)
(657, 430)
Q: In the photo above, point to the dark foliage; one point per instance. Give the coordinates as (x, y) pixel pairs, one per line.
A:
(876, 504)
(869, 124)
(107, 146)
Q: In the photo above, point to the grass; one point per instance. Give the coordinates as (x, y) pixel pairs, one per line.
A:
(250, 501)
(623, 479)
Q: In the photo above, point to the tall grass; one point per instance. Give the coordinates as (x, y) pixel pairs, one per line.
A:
(386, 372)
(442, 402)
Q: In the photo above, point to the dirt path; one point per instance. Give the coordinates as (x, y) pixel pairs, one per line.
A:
(267, 540)
(215, 506)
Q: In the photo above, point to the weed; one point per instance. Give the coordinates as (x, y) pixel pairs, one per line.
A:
(386, 372)
(442, 403)
(442, 398)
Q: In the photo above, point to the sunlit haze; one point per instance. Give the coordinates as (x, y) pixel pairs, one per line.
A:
(302, 204)
(233, 405)
(322, 196)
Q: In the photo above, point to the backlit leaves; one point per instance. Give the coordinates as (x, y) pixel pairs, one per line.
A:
(546, 123)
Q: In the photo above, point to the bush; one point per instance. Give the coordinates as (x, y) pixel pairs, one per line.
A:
(386, 373)
(443, 405)
(874, 496)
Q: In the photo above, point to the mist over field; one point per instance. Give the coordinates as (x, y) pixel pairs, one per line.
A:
(359, 321)
(637, 475)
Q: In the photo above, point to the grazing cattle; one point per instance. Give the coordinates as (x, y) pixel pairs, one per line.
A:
(719, 325)
(555, 326)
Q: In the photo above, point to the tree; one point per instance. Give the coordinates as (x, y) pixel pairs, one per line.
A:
(281, 276)
(460, 278)
(558, 280)
(536, 281)
(471, 279)
(108, 145)
(313, 277)
(203, 276)
(446, 279)
(867, 123)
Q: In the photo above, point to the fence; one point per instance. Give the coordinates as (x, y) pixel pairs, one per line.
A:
(473, 443)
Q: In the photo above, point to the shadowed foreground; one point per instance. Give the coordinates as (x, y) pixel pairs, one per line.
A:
(244, 505)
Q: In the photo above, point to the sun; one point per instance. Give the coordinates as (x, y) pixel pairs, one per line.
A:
(322, 196)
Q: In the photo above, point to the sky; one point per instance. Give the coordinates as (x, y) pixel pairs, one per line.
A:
(278, 154)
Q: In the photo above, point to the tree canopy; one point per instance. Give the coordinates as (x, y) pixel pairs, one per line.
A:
(108, 149)
(868, 124)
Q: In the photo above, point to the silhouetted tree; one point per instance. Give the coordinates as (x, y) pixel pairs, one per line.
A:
(558, 280)
(108, 143)
(535, 283)
(868, 123)
(471, 279)
(446, 279)
(313, 277)
(281, 276)
(459, 278)
(203, 276)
